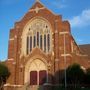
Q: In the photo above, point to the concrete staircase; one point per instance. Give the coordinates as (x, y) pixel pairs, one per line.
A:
(36, 87)
(24, 87)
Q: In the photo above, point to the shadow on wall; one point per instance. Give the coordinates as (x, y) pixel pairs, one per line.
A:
(53, 81)
(57, 82)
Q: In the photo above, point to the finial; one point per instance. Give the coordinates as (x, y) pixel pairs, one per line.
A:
(37, 0)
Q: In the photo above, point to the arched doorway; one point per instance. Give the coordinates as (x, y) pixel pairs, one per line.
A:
(36, 72)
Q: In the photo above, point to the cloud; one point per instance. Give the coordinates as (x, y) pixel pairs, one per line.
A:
(81, 20)
(80, 40)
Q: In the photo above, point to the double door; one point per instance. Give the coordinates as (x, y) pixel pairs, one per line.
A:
(38, 77)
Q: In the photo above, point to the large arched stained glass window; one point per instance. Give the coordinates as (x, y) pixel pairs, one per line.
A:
(39, 35)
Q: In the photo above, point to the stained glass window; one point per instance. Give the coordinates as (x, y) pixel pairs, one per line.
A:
(38, 35)
(34, 42)
(27, 44)
(37, 38)
(41, 41)
(45, 43)
(30, 43)
(48, 42)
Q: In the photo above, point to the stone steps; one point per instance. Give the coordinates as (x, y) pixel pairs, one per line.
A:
(24, 87)
(32, 88)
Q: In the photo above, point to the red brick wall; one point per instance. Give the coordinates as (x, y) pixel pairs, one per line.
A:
(57, 61)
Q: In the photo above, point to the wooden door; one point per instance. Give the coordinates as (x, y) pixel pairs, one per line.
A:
(42, 77)
(33, 78)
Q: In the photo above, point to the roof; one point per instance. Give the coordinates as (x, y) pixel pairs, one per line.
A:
(85, 49)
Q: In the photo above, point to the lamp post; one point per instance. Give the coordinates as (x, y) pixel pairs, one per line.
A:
(65, 62)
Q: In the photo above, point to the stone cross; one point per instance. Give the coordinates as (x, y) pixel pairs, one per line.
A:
(37, 9)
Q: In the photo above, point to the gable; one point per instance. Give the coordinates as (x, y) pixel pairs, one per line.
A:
(38, 9)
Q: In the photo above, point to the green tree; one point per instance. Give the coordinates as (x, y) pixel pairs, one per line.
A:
(87, 77)
(4, 74)
(75, 74)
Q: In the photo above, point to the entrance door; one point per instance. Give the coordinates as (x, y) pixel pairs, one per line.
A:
(33, 78)
(42, 77)
(36, 72)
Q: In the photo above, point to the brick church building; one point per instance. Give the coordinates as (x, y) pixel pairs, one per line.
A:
(41, 45)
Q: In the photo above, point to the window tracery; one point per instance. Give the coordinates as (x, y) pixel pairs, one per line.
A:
(38, 35)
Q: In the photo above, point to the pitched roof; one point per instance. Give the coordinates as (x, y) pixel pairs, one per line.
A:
(85, 49)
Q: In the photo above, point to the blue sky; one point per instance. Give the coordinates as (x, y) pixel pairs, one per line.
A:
(76, 11)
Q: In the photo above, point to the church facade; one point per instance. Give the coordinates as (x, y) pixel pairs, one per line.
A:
(41, 45)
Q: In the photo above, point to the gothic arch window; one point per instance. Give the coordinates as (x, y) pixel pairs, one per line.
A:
(48, 41)
(38, 34)
(37, 38)
(41, 42)
(34, 42)
(27, 44)
(30, 43)
(44, 43)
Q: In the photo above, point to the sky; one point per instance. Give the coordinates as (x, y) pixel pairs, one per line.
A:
(77, 12)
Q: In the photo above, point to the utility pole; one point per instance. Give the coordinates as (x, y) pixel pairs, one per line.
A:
(65, 62)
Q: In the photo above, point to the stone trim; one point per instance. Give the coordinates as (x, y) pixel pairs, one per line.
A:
(56, 31)
(12, 85)
(14, 63)
(61, 33)
(81, 55)
(56, 60)
(37, 9)
(15, 36)
(10, 59)
(11, 39)
(66, 55)
(46, 7)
